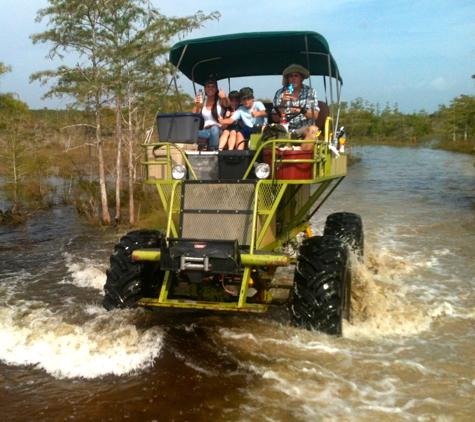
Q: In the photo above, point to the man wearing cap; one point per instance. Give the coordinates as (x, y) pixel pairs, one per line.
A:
(249, 113)
(303, 97)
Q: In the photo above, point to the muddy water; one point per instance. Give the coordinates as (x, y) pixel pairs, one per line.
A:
(407, 356)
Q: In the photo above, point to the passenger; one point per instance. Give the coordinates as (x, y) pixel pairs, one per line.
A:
(250, 113)
(229, 134)
(211, 110)
(302, 97)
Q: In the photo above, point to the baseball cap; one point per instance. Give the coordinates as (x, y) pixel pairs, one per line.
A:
(246, 92)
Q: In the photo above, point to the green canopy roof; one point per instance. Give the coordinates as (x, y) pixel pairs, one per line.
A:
(252, 54)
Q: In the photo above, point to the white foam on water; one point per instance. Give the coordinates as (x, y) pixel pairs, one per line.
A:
(106, 344)
(226, 333)
(201, 369)
(316, 393)
(326, 390)
(282, 338)
(413, 365)
(86, 274)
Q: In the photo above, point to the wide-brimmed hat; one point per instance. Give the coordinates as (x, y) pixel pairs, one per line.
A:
(294, 68)
(246, 92)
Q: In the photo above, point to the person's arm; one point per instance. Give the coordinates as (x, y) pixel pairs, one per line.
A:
(307, 108)
(224, 101)
(307, 112)
(197, 107)
(279, 101)
(229, 120)
(259, 110)
(284, 98)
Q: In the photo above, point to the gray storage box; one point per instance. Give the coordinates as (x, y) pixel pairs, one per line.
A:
(178, 127)
(204, 163)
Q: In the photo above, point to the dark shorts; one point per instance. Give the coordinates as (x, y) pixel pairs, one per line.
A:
(246, 132)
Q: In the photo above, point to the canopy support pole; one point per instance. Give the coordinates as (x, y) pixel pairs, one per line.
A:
(312, 103)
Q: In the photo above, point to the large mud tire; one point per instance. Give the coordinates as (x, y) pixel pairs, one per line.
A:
(348, 227)
(128, 281)
(320, 297)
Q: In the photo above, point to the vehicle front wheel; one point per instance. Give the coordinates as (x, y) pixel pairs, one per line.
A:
(128, 281)
(320, 297)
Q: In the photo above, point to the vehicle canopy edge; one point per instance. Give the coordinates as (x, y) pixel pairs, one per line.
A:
(253, 54)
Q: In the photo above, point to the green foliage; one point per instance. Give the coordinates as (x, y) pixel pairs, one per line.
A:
(11, 109)
(364, 120)
(122, 47)
(457, 121)
(15, 132)
(458, 146)
(4, 68)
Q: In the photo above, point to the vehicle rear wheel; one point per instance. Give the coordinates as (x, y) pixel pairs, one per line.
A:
(320, 297)
(348, 227)
(128, 281)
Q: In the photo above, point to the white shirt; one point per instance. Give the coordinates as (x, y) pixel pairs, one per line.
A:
(209, 120)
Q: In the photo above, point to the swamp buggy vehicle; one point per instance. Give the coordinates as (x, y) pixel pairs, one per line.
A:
(235, 217)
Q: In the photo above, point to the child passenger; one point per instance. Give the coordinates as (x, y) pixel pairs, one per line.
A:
(230, 132)
(249, 113)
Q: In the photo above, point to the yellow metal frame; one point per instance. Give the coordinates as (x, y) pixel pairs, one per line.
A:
(268, 196)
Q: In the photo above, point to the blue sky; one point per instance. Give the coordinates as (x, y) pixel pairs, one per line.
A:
(418, 54)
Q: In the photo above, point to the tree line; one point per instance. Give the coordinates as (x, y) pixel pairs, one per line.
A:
(118, 84)
(120, 47)
(365, 120)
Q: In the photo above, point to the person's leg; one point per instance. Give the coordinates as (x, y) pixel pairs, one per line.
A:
(310, 134)
(232, 140)
(299, 133)
(223, 139)
(243, 135)
(204, 134)
(214, 134)
(239, 141)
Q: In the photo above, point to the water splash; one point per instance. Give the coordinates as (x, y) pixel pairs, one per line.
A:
(84, 274)
(105, 344)
(382, 304)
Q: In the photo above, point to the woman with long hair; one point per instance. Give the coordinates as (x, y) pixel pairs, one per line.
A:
(211, 110)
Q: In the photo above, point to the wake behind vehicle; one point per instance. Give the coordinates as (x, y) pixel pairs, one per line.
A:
(235, 217)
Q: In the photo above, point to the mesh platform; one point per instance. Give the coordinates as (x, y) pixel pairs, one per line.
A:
(217, 210)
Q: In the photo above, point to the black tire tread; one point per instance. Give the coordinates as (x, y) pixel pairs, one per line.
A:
(318, 297)
(128, 281)
(348, 227)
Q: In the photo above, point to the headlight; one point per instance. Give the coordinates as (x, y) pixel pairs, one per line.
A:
(178, 172)
(262, 170)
